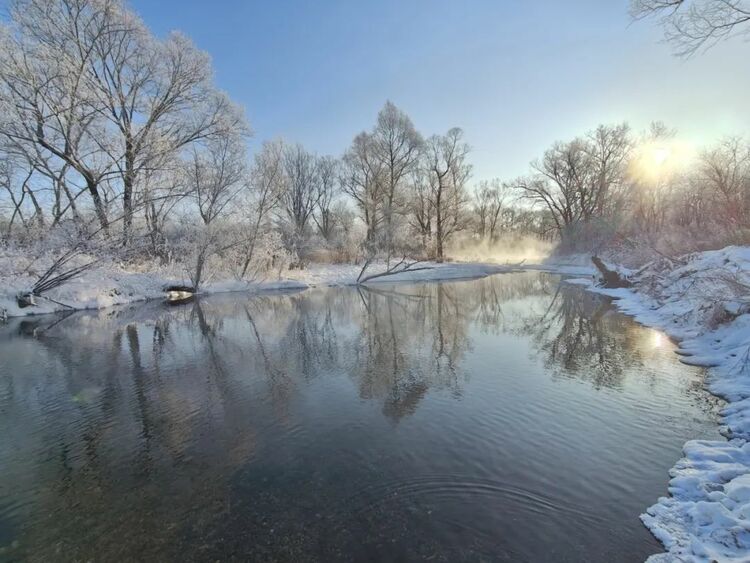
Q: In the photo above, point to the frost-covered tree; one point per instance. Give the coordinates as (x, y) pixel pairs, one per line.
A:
(267, 186)
(91, 95)
(325, 216)
(164, 190)
(215, 174)
(362, 179)
(651, 189)
(396, 145)
(578, 180)
(725, 171)
(489, 202)
(300, 196)
(159, 96)
(421, 210)
(376, 172)
(47, 99)
(448, 171)
(15, 183)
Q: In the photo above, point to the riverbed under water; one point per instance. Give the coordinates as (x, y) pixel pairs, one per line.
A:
(507, 418)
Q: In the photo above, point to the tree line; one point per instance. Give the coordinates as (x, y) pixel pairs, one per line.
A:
(107, 129)
(112, 134)
(611, 186)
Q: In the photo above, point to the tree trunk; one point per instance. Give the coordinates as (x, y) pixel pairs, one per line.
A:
(101, 213)
(439, 225)
(128, 181)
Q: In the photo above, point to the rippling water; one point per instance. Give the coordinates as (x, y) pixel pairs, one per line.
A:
(509, 418)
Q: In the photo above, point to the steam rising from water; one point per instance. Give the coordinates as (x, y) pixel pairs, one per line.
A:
(506, 249)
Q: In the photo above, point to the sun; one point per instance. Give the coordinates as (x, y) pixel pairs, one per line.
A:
(660, 155)
(656, 161)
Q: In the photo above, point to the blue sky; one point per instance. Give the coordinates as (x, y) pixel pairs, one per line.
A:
(516, 75)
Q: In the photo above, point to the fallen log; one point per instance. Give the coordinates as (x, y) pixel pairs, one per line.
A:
(610, 278)
(178, 294)
(185, 288)
(178, 298)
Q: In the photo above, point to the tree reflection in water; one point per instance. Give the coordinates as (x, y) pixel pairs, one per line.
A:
(134, 427)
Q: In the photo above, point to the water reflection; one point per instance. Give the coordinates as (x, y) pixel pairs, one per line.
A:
(242, 426)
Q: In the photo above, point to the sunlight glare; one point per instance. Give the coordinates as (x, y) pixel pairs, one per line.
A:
(660, 155)
(655, 162)
(658, 340)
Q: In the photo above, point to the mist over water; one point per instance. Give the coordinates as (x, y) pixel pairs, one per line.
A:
(503, 250)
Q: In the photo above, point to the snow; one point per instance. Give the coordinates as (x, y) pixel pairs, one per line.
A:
(703, 301)
(113, 284)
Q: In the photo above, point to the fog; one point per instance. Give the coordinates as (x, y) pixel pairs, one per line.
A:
(510, 249)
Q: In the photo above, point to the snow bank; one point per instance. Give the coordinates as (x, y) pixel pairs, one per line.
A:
(703, 300)
(112, 284)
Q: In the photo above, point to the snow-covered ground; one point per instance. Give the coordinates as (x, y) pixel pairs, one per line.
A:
(703, 301)
(110, 284)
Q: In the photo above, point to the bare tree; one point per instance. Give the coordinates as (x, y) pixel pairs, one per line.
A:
(89, 86)
(725, 169)
(300, 196)
(15, 179)
(7, 181)
(558, 182)
(158, 95)
(362, 179)
(421, 208)
(652, 191)
(163, 190)
(691, 25)
(489, 203)
(396, 144)
(609, 148)
(216, 174)
(325, 217)
(46, 97)
(267, 182)
(576, 180)
(45, 173)
(448, 171)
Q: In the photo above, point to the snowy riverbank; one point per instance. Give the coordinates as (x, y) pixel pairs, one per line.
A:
(109, 285)
(703, 301)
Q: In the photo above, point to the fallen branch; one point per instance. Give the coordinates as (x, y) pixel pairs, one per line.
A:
(54, 277)
(399, 268)
(368, 261)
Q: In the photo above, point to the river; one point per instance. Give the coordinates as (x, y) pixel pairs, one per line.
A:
(510, 418)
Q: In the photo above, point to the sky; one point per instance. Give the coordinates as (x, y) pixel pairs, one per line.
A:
(516, 75)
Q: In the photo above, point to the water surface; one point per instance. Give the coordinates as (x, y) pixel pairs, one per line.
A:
(509, 418)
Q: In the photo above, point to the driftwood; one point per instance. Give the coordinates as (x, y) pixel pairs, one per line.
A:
(182, 288)
(178, 294)
(610, 278)
(180, 299)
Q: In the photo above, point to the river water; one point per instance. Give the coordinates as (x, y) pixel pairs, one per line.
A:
(511, 418)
